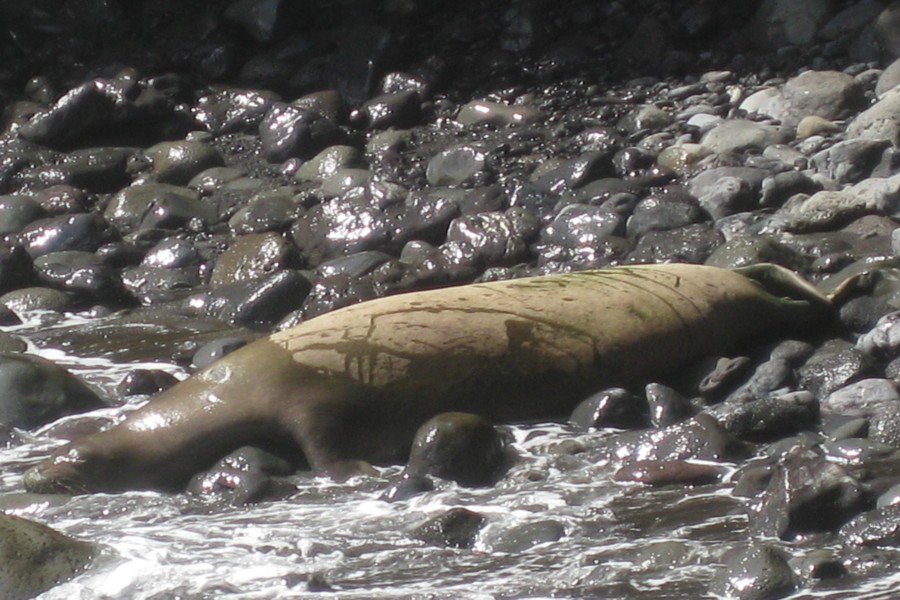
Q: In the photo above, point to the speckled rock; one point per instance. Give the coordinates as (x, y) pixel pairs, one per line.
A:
(34, 558)
(878, 528)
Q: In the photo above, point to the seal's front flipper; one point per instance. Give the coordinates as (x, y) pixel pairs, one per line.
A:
(801, 302)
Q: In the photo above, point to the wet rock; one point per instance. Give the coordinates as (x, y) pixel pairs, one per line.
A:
(328, 162)
(355, 265)
(176, 210)
(35, 391)
(864, 398)
(172, 253)
(98, 170)
(455, 528)
(667, 406)
(15, 268)
(614, 407)
(807, 493)
(345, 180)
(34, 558)
(244, 477)
(461, 447)
(127, 209)
(497, 238)
(151, 284)
(81, 273)
(751, 250)
(336, 228)
(819, 565)
(62, 199)
(662, 212)
(257, 303)
(77, 114)
(690, 244)
(332, 293)
(267, 210)
(700, 437)
(579, 231)
(253, 256)
(178, 162)
(145, 382)
(760, 572)
(398, 109)
(233, 110)
(669, 472)
(287, 131)
(456, 166)
(18, 211)
(573, 173)
(426, 217)
(81, 231)
(480, 112)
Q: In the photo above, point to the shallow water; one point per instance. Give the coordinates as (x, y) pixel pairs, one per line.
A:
(557, 526)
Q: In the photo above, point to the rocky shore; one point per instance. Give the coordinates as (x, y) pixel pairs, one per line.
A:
(186, 177)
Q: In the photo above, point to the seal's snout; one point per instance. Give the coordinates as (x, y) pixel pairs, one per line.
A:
(36, 481)
(49, 478)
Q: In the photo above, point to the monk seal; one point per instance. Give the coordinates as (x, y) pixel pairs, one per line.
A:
(355, 384)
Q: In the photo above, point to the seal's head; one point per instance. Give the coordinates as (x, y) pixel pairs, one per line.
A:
(77, 468)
